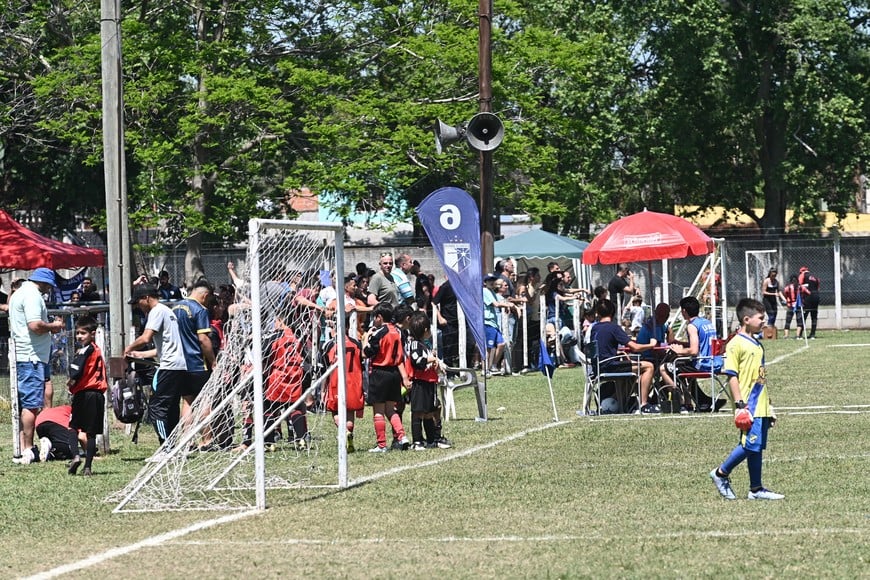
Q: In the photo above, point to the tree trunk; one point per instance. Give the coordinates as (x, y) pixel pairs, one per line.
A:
(193, 269)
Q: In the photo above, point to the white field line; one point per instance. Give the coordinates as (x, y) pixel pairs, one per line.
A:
(456, 455)
(766, 533)
(786, 356)
(164, 538)
(847, 345)
(97, 559)
(782, 411)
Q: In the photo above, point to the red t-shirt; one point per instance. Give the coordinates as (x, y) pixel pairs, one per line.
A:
(60, 415)
(284, 383)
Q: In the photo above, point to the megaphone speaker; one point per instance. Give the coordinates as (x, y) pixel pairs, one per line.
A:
(445, 135)
(485, 132)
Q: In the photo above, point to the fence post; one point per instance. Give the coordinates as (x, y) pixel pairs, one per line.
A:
(838, 294)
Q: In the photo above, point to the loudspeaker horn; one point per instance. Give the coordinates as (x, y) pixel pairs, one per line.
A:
(445, 135)
(485, 132)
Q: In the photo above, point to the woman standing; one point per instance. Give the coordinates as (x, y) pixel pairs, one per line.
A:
(771, 295)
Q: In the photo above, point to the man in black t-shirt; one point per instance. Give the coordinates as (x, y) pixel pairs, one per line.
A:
(620, 285)
(610, 336)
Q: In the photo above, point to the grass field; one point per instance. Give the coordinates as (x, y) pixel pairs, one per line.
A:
(520, 496)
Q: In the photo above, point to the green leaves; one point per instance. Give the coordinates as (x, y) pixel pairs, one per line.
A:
(609, 107)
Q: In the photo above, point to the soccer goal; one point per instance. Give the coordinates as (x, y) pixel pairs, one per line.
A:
(253, 428)
(758, 264)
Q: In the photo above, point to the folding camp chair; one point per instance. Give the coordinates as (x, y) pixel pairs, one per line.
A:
(691, 381)
(597, 375)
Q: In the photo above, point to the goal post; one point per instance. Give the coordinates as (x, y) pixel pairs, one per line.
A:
(260, 421)
(758, 264)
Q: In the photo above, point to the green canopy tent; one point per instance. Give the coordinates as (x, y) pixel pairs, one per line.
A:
(537, 248)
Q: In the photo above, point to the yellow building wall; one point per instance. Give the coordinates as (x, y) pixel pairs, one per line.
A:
(853, 223)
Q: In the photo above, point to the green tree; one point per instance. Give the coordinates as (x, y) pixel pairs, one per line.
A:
(751, 104)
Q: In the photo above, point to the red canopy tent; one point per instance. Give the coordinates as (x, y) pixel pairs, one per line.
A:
(23, 249)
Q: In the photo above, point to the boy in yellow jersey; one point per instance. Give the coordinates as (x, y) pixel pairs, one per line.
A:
(744, 365)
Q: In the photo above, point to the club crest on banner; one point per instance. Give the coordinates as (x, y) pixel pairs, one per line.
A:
(457, 256)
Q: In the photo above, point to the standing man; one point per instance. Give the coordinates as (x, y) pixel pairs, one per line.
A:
(620, 285)
(89, 291)
(811, 298)
(382, 287)
(168, 290)
(402, 277)
(32, 330)
(161, 328)
(494, 339)
(194, 328)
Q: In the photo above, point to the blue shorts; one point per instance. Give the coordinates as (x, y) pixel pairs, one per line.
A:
(493, 336)
(756, 438)
(31, 384)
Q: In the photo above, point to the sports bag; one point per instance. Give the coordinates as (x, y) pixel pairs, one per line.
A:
(128, 400)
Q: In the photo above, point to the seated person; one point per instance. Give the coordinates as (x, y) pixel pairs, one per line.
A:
(610, 336)
(657, 327)
(701, 333)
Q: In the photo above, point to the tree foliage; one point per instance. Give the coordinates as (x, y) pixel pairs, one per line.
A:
(609, 107)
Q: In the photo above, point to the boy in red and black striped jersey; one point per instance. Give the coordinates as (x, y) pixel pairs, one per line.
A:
(401, 318)
(424, 373)
(87, 385)
(384, 347)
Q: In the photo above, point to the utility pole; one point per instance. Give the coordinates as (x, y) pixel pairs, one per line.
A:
(118, 239)
(484, 67)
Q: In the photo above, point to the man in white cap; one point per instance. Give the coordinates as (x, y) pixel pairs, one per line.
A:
(31, 330)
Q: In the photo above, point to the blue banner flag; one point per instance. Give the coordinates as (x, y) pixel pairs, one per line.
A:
(451, 220)
(545, 364)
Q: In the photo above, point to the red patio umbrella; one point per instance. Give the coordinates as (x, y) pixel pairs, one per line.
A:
(646, 236)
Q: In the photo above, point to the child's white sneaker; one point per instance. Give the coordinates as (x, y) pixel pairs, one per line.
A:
(764, 493)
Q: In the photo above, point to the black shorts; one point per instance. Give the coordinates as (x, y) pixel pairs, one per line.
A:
(618, 366)
(385, 384)
(423, 397)
(88, 409)
(60, 437)
(192, 383)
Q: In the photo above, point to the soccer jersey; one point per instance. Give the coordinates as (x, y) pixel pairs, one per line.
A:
(744, 358)
(192, 320)
(705, 360)
(87, 370)
(386, 347)
(59, 415)
(284, 361)
(354, 379)
(418, 353)
(167, 339)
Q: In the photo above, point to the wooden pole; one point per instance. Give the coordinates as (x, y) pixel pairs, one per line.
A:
(487, 239)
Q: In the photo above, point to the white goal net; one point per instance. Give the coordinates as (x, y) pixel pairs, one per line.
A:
(758, 265)
(259, 423)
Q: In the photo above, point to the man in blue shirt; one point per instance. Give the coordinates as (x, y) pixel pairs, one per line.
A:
(610, 336)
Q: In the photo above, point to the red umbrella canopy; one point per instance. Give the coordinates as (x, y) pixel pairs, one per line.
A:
(647, 235)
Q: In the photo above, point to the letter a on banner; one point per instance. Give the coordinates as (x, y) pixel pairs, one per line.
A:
(452, 222)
